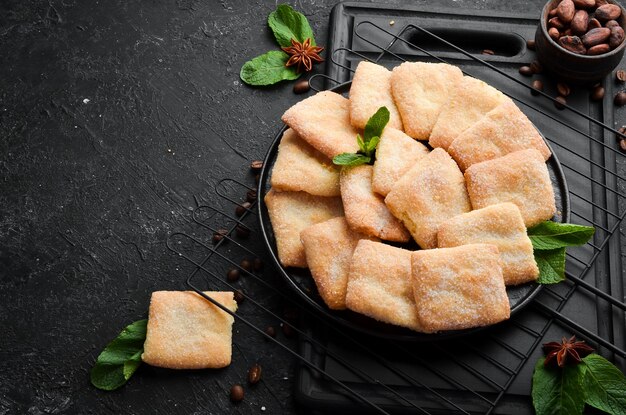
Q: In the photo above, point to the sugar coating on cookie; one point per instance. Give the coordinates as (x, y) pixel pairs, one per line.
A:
(186, 331)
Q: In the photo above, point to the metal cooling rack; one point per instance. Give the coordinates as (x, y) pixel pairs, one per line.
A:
(457, 381)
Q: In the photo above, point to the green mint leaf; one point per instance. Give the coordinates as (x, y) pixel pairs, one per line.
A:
(376, 124)
(551, 265)
(268, 69)
(605, 385)
(287, 24)
(558, 391)
(371, 145)
(361, 143)
(350, 159)
(120, 358)
(552, 235)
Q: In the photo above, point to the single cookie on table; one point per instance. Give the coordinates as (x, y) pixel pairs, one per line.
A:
(365, 210)
(427, 195)
(503, 130)
(379, 284)
(329, 246)
(470, 100)
(323, 121)
(521, 178)
(370, 90)
(186, 331)
(459, 288)
(291, 213)
(501, 225)
(420, 91)
(300, 167)
(396, 154)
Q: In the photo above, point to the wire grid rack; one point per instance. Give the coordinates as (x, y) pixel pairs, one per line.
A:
(462, 385)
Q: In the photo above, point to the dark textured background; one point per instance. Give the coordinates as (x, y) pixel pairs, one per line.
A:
(90, 190)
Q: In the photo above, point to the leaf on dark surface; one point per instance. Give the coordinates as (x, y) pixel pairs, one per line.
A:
(558, 391)
(551, 265)
(287, 24)
(267, 69)
(604, 385)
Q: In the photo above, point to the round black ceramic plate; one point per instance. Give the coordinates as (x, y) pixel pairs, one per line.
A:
(300, 279)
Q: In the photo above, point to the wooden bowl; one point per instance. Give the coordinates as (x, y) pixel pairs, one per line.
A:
(572, 67)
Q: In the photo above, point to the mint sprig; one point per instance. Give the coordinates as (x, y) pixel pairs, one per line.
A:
(368, 142)
(549, 241)
(120, 358)
(287, 24)
(595, 382)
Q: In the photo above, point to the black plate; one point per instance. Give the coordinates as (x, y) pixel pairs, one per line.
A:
(301, 281)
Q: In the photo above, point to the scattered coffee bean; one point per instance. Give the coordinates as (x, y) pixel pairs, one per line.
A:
(301, 86)
(563, 89)
(488, 52)
(537, 86)
(530, 44)
(236, 393)
(554, 33)
(219, 235)
(584, 4)
(251, 196)
(246, 264)
(258, 264)
(608, 12)
(526, 71)
(254, 374)
(536, 67)
(622, 144)
(242, 231)
(622, 131)
(233, 274)
(620, 75)
(620, 98)
(288, 331)
(270, 331)
(239, 297)
(573, 44)
(593, 24)
(560, 102)
(256, 166)
(597, 93)
(242, 208)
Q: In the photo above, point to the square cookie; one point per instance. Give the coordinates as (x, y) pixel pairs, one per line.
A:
(503, 130)
(395, 155)
(370, 90)
(501, 225)
(521, 178)
(379, 284)
(420, 91)
(329, 246)
(366, 211)
(301, 168)
(293, 212)
(427, 195)
(459, 288)
(323, 121)
(471, 99)
(186, 331)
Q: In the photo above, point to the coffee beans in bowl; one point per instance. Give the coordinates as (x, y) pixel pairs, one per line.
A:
(581, 41)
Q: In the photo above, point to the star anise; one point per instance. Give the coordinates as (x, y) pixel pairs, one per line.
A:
(568, 351)
(303, 54)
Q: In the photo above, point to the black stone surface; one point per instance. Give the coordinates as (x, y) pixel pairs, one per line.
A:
(115, 117)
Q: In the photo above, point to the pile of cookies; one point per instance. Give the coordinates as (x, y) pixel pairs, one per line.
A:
(459, 169)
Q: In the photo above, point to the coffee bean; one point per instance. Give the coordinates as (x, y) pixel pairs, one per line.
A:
(488, 52)
(608, 12)
(611, 23)
(301, 86)
(219, 235)
(537, 86)
(584, 4)
(565, 11)
(620, 75)
(270, 331)
(597, 93)
(242, 231)
(560, 102)
(554, 33)
(573, 44)
(526, 71)
(617, 36)
(254, 374)
(596, 36)
(288, 331)
(233, 274)
(242, 208)
(622, 144)
(536, 67)
(620, 99)
(236, 393)
(258, 264)
(246, 264)
(580, 22)
(239, 297)
(251, 196)
(530, 44)
(598, 49)
(556, 23)
(256, 166)
(622, 131)
(563, 89)
(593, 24)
